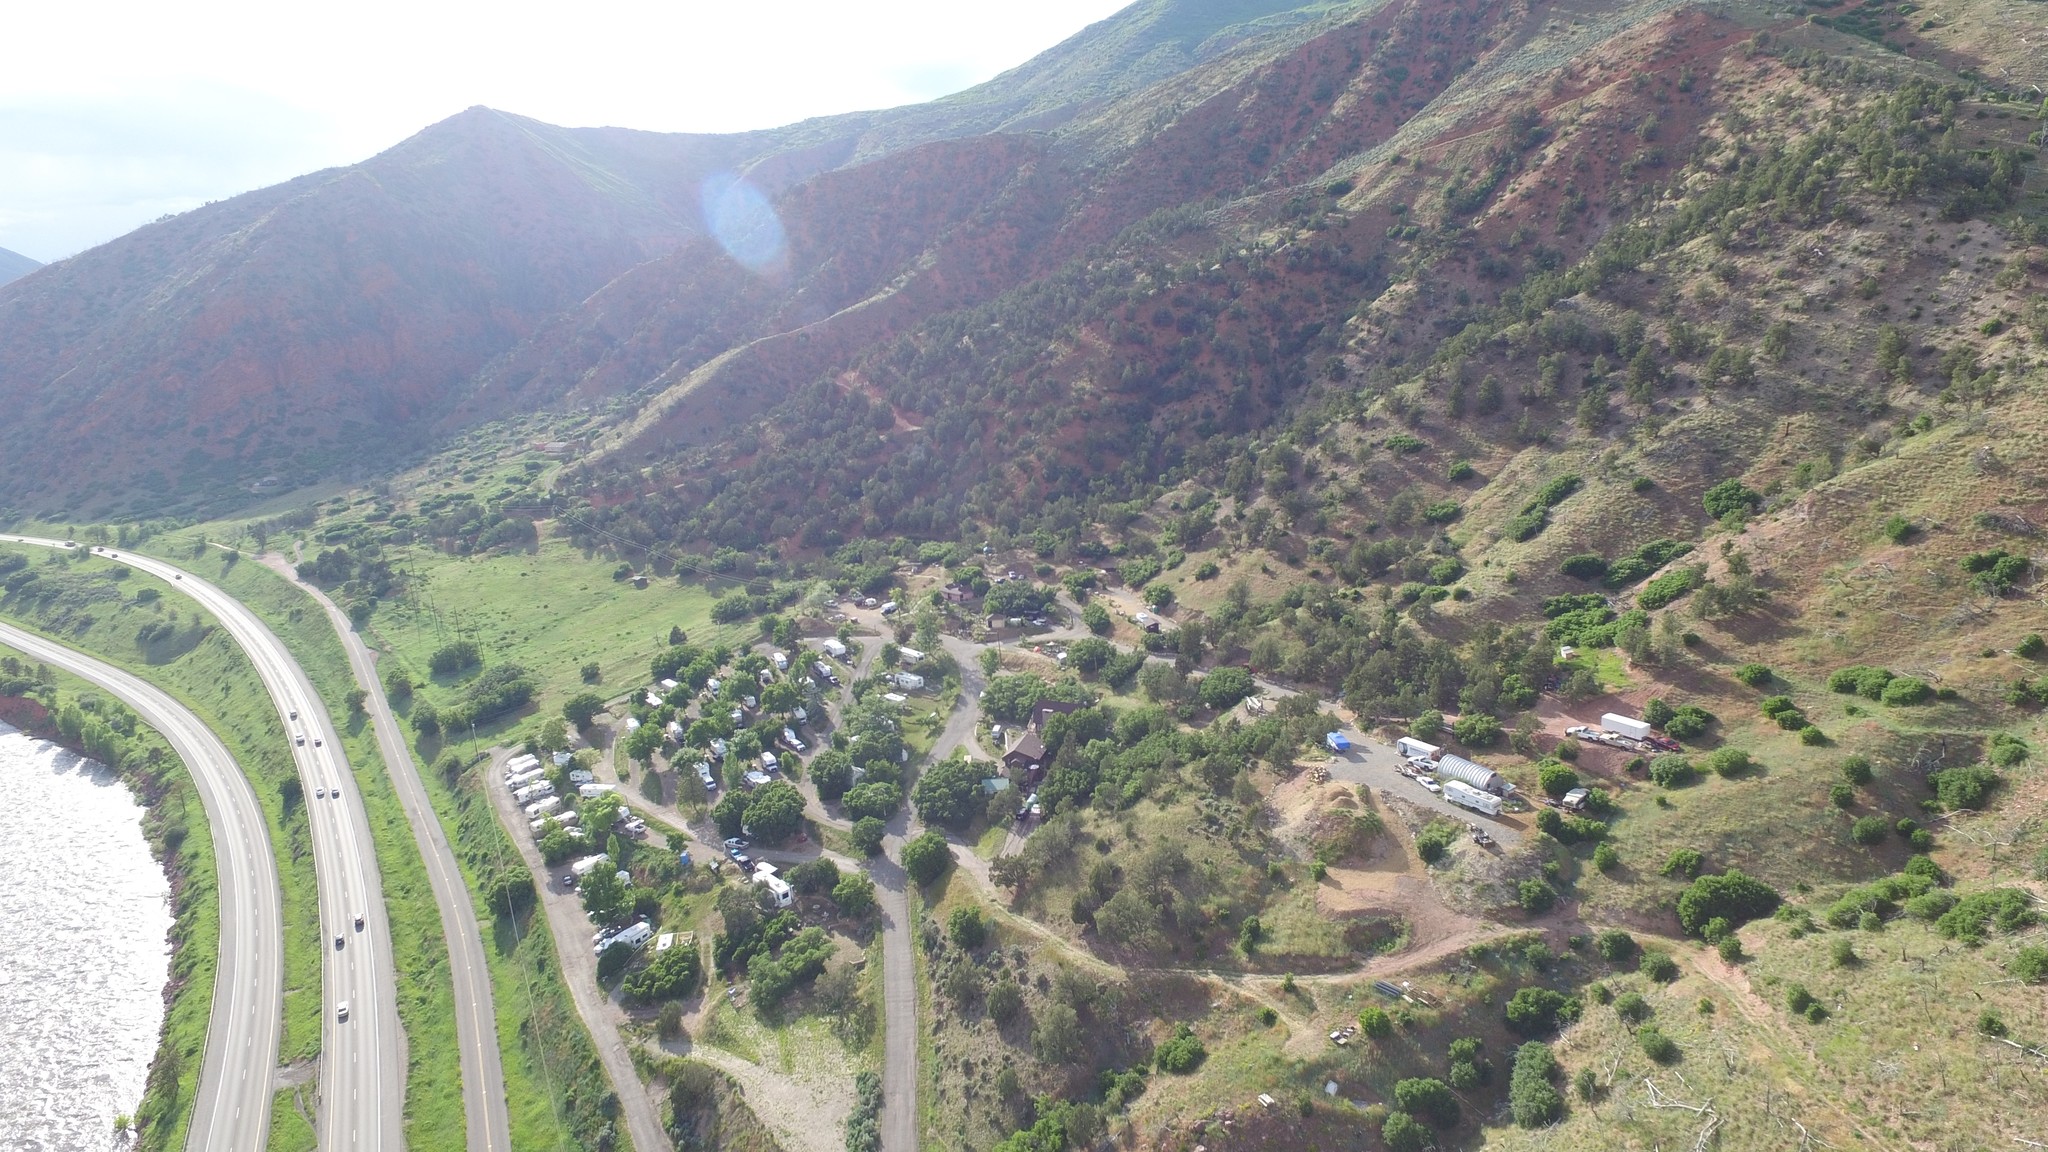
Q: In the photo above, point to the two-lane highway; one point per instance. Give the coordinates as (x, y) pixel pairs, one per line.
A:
(362, 1063)
(232, 1108)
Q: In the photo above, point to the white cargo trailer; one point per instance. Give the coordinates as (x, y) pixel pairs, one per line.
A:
(1625, 726)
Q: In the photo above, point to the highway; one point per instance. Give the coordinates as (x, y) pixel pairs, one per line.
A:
(232, 1107)
(362, 1056)
(476, 1030)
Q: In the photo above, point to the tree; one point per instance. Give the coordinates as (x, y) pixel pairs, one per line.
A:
(1096, 618)
(1224, 687)
(775, 812)
(357, 698)
(581, 709)
(554, 735)
(832, 772)
(947, 792)
(1375, 1023)
(967, 927)
(1731, 896)
(730, 813)
(398, 686)
(642, 743)
(1404, 1133)
(926, 857)
(1534, 1011)
(670, 975)
(867, 835)
(1556, 779)
(876, 799)
(1730, 496)
(854, 896)
(426, 720)
(592, 673)
(1428, 1097)
(605, 895)
(450, 659)
(1058, 1038)
(1182, 1053)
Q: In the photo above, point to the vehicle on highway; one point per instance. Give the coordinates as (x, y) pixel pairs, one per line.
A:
(337, 940)
(299, 740)
(295, 713)
(341, 1011)
(359, 922)
(319, 793)
(316, 741)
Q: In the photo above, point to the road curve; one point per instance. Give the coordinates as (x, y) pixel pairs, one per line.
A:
(232, 1108)
(476, 1028)
(362, 1058)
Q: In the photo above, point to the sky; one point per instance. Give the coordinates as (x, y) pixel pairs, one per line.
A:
(115, 112)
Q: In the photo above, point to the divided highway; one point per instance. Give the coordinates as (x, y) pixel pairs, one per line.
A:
(362, 1062)
(476, 1029)
(232, 1108)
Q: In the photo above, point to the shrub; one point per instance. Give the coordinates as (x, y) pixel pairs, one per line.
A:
(1730, 496)
(1658, 966)
(1403, 443)
(1605, 858)
(2007, 909)
(1860, 679)
(1656, 1045)
(1841, 795)
(1375, 1023)
(1181, 1054)
(1535, 896)
(1728, 763)
(1856, 770)
(1897, 529)
(1753, 674)
(1614, 945)
(1904, 690)
(1842, 952)
(1428, 1097)
(1434, 840)
(967, 927)
(1688, 722)
(1526, 526)
(1403, 1133)
(1869, 830)
(1684, 862)
(1990, 1023)
(1729, 948)
(1672, 771)
(2029, 965)
(1995, 572)
(1670, 586)
(1532, 1099)
(1731, 896)
(1632, 1007)
(1798, 999)
(1556, 779)
(1585, 566)
(1965, 787)
(1534, 1011)
(1812, 737)
(1442, 512)
(1460, 470)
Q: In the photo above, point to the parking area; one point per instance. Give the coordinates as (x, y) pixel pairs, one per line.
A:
(1377, 765)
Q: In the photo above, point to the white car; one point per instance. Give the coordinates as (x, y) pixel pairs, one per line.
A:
(341, 1011)
(319, 793)
(1432, 785)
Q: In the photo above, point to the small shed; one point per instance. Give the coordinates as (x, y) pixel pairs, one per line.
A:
(1451, 766)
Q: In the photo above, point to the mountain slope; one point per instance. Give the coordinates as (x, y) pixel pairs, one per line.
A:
(13, 266)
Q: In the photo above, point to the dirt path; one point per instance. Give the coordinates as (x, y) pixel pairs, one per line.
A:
(806, 1113)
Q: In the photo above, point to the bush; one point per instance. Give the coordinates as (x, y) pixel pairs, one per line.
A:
(2029, 965)
(1860, 679)
(926, 857)
(1688, 722)
(1535, 896)
(1535, 1011)
(1841, 795)
(1869, 830)
(1672, 771)
(1428, 1097)
(1656, 1045)
(1728, 763)
(1731, 896)
(1842, 952)
(1730, 496)
(1966, 787)
(2030, 646)
(1605, 858)
(1670, 586)
(1897, 529)
(1856, 770)
(1812, 737)
(1614, 945)
(1684, 862)
(1434, 840)
(854, 895)
(775, 812)
(1556, 779)
(1585, 566)
(450, 659)
(1631, 1007)
(1403, 1133)
(1442, 512)
(1753, 674)
(967, 927)
(1658, 966)
(1729, 947)
(1181, 1054)
(1531, 1098)
(1375, 1023)
(1905, 690)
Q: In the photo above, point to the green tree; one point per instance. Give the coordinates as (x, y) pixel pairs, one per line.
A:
(581, 709)
(948, 792)
(867, 835)
(926, 857)
(642, 743)
(854, 896)
(1223, 687)
(775, 812)
(1532, 1098)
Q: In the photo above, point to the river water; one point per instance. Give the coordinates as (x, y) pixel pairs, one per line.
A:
(84, 951)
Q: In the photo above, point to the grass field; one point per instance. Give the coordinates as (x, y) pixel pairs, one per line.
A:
(174, 813)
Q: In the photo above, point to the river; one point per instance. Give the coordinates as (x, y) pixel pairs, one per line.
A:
(84, 950)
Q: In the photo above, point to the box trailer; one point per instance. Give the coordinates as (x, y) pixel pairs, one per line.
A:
(593, 791)
(1337, 742)
(533, 791)
(1412, 749)
(541, 808)
(589, 864)
(1625, 726)
(1466, 796)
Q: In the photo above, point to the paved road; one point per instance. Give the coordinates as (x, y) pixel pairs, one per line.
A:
(232, 1108)
(476, 1031)
(362, 1061)
(571, 928)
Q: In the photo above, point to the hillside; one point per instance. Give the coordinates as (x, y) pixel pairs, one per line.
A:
(13, 266)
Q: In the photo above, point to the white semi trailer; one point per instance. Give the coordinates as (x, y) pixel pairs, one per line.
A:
(1466, 796)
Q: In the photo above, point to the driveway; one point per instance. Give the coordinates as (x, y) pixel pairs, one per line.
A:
(1377, 765)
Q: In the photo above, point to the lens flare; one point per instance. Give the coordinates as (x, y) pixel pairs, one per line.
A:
(744, 223)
